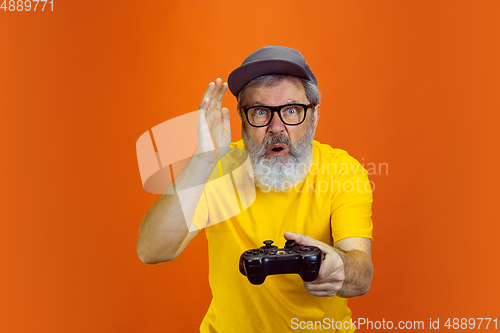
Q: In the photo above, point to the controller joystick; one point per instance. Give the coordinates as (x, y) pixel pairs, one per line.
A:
(257, 264)
(268, 243)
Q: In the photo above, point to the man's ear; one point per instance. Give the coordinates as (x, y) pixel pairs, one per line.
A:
(316, 116)
(242, 116)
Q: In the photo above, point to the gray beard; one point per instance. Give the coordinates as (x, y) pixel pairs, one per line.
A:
(280, 173)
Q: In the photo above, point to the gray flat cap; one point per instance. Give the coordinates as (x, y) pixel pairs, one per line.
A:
(269, 60)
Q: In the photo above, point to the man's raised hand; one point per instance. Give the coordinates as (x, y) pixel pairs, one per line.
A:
(214, 129)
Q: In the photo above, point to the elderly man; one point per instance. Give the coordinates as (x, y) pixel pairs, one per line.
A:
(306, 191)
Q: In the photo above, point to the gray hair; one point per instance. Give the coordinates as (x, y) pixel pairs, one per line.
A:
(310, 89)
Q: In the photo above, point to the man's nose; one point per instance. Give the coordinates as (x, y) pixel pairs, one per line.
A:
(276, 126)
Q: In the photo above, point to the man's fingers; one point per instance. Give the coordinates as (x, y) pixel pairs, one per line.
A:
(221, 92)
(226, 119)
(323, 290)
(215, 91)
(308, 241)
(214, 107)
(213, 88)
(204, 104)
(208, 93)
(218, 85)
(326, 267)
(331, 285)
(220, 89)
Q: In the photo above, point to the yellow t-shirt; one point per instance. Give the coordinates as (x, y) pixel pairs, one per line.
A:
(333, 202)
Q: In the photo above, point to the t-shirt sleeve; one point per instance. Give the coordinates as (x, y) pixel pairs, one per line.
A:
(218, 201)
(200, 218)
(351, 208)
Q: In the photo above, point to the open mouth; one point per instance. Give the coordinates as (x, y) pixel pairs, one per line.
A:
(277, 149)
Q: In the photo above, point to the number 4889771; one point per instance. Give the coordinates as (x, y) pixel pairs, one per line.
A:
(26, 5)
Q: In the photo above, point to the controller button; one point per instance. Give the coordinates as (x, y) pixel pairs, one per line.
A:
(290, 243)
(262, 251)
(307, 249)
(248, 252)
(290, 252)
(272, 252)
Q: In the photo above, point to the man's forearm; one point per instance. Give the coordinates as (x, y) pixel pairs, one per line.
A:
(167, 222)
(358, 271)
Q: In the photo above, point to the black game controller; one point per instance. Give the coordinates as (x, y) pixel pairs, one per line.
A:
(256, 264)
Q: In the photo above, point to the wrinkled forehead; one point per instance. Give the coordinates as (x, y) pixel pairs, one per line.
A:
(275, 92)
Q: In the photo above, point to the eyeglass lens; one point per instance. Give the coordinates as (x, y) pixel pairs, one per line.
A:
(290, 114)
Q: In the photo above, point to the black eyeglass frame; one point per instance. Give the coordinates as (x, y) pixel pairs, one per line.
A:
(278, 110)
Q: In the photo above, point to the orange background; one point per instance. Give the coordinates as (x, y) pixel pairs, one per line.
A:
(414, 84)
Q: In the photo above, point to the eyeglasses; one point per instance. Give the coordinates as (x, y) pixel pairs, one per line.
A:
(290, 114)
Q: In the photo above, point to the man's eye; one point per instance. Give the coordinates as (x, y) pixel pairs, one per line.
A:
(261, 112)
(291, 111)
